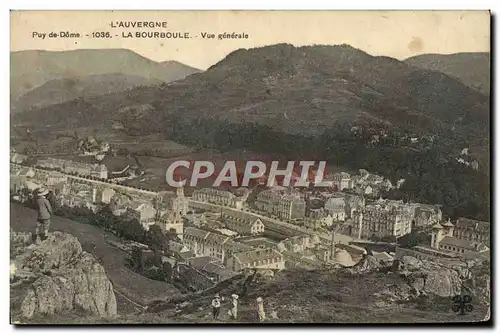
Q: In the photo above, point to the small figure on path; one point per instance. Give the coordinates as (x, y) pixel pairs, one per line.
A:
(234, 310)
(216, 306)
(260, 309)
(44, 210)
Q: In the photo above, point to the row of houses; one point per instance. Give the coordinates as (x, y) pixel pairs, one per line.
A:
(148, 208)
(234, 255)
(68, 166)
(242, 223)
(285, 203)
(388, 218)
(363, 183)
(219, 197)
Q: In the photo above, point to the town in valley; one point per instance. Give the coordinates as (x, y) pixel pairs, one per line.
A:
(393, 227)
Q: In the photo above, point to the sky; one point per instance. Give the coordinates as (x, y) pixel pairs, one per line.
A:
(397, 34)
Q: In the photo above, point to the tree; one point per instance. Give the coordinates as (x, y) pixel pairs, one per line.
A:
(168, 270)
(156, 239)
(415, 238)
(136, 259)
(131, 230)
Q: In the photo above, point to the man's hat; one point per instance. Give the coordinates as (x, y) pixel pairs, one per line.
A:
(42, 191)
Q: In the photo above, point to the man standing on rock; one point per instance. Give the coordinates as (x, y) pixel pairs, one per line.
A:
(44, 212)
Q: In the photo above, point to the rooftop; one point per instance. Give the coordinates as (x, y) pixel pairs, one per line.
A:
(472, 223)
(448, 224)
(200, 261)
(195, 232)
(186, 254)
(213, 191)
(136, 205)
(237, 247)
(239, 216)
(452, 241)
(227, 232)
(216, 239)
(260, 242)
(437, 226)
(256, 255)
(175, 247)
(210, 265)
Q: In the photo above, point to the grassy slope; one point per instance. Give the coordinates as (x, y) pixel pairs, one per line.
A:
(299, 296)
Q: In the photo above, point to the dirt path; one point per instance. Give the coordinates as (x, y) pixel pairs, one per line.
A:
(139, 289)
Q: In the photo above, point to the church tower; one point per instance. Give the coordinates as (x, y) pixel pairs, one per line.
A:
(179, 203)
(180, 192)
(448, 228)
(358, 222)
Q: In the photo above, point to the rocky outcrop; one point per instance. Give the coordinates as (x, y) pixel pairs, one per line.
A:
(415, 291)
(367, 264)
(414, 278)
(57, 276)
(430, 277)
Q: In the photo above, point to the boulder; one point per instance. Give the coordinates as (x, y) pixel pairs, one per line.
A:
(410, 263)
(56, 251)
(19, 241)
(367, 264)
(442, 281)
(57, 276)
(430, 277)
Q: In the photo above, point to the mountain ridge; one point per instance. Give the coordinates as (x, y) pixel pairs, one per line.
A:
(49, 65)
(459, 66)
(306, 89)
(57, 91)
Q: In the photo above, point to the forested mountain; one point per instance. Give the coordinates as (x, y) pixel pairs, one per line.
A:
(472, 68)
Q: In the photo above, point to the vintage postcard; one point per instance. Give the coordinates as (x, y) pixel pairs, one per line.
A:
(231, 167)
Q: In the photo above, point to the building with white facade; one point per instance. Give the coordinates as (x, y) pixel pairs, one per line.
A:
(443, 239)
(342, 181)
(472, 230)
(259, 258)
(281, 202)
(242, 223)
(219, 197)
(144, 213)
(336, 207)
(73, 167)
(386, 218)
(206, 243)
